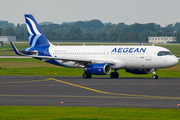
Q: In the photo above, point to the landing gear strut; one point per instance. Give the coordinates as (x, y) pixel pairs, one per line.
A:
(154, 74)
(114, 74)
(86, 75)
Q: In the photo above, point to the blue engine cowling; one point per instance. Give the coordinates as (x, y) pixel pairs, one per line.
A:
(139, 71)
(98, 69)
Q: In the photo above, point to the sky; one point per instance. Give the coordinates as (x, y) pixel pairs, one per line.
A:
(162, 12)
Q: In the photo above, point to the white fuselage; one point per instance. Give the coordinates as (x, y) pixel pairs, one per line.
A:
(123, 57)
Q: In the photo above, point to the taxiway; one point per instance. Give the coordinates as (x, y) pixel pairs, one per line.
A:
(95, 92)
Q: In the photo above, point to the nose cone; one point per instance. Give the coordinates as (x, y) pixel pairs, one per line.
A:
(174, 61)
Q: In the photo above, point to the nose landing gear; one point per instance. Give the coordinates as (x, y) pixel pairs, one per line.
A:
(154, 74)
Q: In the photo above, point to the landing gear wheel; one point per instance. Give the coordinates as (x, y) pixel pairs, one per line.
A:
(86, 75)
(114, 75)
(155, 76)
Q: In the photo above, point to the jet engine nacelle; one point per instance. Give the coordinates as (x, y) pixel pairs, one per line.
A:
(98, 69)
(139, 71)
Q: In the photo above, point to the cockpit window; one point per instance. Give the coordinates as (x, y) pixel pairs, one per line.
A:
(162, 53)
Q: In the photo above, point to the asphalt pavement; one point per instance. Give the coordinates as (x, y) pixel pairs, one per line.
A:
(95, 92)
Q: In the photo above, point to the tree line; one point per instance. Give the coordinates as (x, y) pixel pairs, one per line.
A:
(93, 31)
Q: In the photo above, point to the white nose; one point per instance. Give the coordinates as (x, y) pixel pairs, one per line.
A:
(174, 61)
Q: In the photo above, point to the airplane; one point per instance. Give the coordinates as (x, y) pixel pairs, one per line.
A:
(96, 60)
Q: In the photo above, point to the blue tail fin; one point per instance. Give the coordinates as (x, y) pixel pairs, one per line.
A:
(35, 34)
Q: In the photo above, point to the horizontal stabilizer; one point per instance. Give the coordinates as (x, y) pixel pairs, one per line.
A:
(23, 53)
(30, 52)
(15, 49)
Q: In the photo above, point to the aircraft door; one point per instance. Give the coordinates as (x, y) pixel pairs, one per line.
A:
(106, 54)
(148, 55)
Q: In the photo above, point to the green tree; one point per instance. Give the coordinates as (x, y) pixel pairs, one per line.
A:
(177, 26)
(75, 31)
(101, 37)
(80, 24)
(62, 30)
(87, 37)
(50, 34)
(0, 30)
(158, 34)
(167, 32)
(18, 27)
(178, 37)
(8, 32)
(113, 36)
(94, 24)
(133, 36)
(5, 24)
(65, 36)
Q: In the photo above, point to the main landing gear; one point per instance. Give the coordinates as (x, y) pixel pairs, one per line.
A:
(154, 74)
(114, 74)
(86, 75)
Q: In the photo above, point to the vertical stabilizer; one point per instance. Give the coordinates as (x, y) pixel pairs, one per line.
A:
(35, 34)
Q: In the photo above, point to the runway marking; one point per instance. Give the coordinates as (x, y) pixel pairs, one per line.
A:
(30, 85)
(131, 95)
(70, 96)
(135, 84)
(120, 95)
(25, 81)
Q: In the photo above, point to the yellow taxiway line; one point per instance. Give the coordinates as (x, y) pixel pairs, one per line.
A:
(117, 95)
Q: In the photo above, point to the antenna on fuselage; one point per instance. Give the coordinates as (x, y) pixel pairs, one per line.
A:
(141, 44)
(84, 44)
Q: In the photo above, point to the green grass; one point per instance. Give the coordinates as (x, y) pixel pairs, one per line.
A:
(33, 67)
(87, 113)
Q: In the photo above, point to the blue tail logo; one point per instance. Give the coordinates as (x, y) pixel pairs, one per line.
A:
(35, 34)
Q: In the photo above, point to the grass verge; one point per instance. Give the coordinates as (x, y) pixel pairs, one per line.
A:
(33, 67)
(87, 113)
